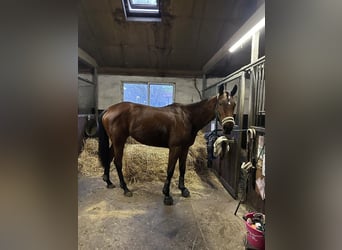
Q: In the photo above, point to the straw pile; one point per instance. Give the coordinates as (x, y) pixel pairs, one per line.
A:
(88, 161)
(143, 163)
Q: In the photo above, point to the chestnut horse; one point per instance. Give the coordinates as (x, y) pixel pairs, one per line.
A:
(174, 126)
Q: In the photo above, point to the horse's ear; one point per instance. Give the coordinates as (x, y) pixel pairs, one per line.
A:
(233, 92)
(221, 89)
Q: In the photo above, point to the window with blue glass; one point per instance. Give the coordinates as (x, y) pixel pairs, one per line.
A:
(152, 94)
(135, 92)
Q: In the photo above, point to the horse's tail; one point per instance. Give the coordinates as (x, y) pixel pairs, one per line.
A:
(103, 143)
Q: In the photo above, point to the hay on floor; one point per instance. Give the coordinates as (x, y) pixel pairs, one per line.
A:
(143, 163)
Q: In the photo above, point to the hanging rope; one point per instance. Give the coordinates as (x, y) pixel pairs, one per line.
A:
(221, 146)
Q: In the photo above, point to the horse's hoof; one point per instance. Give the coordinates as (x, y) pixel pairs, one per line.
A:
(111, 185)
(168, 201)
(185, 192)
(128, 193)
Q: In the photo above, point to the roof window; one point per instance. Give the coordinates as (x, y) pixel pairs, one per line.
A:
(142, 10)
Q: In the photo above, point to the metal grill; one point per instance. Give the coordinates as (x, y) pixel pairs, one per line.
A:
(257, 95)
(251, 87)
(86, 96)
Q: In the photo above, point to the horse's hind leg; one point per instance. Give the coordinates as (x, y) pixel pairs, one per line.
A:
(182, 167)
(118, 153)
(105, 176)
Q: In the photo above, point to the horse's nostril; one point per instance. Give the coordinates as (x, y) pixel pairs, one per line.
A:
(228, 128)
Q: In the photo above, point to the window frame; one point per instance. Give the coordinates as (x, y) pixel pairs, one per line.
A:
(137, 7)
(148, 83)
(141, 12)
(134, 82)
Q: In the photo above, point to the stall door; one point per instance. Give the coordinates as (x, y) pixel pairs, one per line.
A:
(227, 168)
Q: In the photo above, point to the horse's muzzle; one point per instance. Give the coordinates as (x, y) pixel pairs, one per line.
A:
(228, 124)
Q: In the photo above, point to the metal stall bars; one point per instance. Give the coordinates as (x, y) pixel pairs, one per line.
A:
(87, 96)
(87, 78)
(257, 113)
(257, 95)
(256, 121)
(228, 168)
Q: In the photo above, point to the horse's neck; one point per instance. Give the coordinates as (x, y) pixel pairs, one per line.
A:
(203, 112)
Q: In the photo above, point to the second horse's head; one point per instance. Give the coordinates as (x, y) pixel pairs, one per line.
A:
(225, 108)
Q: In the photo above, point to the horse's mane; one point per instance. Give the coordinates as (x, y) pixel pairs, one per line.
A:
(195, 104)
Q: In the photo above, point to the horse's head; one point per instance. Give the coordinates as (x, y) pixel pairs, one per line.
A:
(225, 108)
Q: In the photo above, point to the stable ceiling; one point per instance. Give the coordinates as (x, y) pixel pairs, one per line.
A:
(189, 34)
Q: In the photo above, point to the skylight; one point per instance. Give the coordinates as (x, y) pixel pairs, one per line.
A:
(142, 10)
(150, 3)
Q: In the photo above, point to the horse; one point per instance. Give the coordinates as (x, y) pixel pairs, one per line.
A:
(174, 126)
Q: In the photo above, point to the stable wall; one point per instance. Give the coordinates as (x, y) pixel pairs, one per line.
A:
(110, 88)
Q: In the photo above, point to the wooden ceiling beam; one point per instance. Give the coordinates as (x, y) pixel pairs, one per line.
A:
(150, 72)
(86, 58)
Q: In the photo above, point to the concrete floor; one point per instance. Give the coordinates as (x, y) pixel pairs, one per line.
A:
(205, 220)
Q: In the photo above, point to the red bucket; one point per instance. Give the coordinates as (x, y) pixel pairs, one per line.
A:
(255, 237)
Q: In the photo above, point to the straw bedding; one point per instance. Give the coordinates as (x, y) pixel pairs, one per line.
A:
(143, 163)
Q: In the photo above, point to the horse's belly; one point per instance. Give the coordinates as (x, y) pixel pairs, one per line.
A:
(152, 138)
(160, 135)
(154, 143)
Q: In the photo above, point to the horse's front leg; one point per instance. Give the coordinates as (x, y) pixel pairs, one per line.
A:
(182, 167)
(173, 157)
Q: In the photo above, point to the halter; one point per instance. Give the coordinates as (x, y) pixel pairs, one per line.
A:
(226, 119)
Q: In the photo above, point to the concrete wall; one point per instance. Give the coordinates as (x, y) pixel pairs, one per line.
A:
(110, 88)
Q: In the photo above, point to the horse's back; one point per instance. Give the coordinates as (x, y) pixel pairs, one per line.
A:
(154, 126)
(127, 114)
